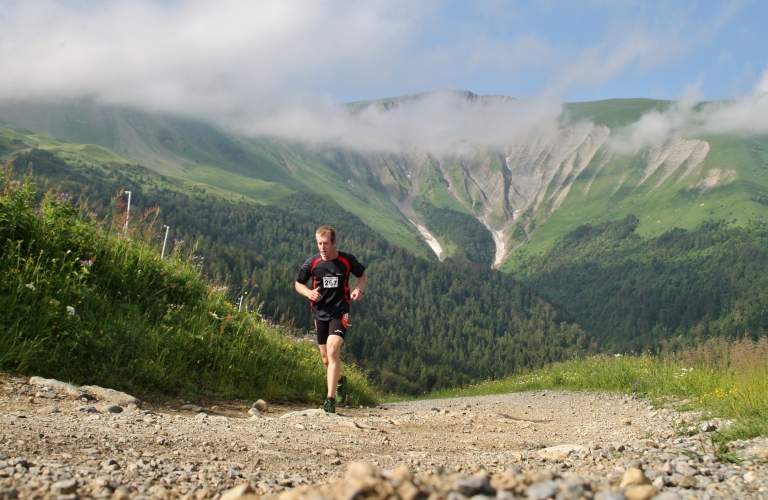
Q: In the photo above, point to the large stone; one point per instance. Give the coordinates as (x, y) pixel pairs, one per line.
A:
(506, 480)
(239, 492)
(359, 470)
(64, 387)
(682, 481)
(64, 487)
(668, 495)
(609, 495)
(641, 492)
(9, 493)
(401, 473)
(633, 477)
(111, 395)
(192, 408)
(685, 469)
(542, 491)
(260, 405)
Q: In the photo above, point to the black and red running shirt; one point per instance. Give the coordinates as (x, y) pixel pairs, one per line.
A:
(332, 276)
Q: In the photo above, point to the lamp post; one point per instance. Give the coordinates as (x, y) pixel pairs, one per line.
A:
(128, 210)
(162, 254)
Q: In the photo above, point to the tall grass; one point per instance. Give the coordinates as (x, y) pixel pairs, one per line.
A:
(90, 302)
(721, 378)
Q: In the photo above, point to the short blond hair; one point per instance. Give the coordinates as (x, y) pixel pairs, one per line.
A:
(323, 230)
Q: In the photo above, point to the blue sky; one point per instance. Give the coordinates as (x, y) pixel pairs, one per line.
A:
(720, 47)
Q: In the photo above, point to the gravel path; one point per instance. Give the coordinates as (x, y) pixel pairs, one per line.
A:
(63, 442)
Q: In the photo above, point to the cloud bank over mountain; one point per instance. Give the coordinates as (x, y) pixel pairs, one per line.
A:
(267, 67)
(690, 117)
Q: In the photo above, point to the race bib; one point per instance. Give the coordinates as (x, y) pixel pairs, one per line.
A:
(330, 282)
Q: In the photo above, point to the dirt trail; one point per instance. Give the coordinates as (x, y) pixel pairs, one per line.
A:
(56, 444)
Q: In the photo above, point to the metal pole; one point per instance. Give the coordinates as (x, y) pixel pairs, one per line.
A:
(128, 210)
(162, 255)
(241, 302)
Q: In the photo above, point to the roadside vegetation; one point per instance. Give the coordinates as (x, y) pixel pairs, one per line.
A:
(88, 301)
(718, 378)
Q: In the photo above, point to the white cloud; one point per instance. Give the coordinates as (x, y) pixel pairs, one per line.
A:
(690, 117)
(437, 122)
(748, 115)
(264, 67)
(194, 56)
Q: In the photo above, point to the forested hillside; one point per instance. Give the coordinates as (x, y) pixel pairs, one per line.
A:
(637, 293)
(423, 324)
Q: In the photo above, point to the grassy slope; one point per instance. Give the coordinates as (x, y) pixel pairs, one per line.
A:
(91, 303)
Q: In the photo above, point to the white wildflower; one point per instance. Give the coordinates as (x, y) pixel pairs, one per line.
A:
(30, 286)
(70, 310)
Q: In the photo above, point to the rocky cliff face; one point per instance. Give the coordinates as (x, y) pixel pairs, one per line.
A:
(523, 185)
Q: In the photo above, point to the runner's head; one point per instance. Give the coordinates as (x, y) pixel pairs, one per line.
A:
(323, 230)
(326, 242)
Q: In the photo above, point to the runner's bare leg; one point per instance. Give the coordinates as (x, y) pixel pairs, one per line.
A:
(333, 353)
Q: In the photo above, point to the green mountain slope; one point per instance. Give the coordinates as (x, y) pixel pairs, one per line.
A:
(636, 293)
(511, 201)
(260, 170)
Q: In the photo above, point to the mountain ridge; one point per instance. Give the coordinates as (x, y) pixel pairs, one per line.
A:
(522, 194)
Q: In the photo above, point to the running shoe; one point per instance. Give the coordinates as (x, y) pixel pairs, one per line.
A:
(341, 390)
(329, 406)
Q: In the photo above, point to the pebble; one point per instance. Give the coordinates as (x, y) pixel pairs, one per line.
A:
(64, 487)
(192, 408)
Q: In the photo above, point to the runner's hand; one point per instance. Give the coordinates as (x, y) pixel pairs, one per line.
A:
(356, 294)
(314, 295)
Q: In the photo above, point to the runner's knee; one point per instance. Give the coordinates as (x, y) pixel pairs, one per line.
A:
(333, 352)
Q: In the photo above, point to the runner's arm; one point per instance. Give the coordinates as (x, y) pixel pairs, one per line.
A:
(357, 293)
(313, 295)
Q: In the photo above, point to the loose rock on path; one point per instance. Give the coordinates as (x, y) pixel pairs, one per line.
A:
(59, 441)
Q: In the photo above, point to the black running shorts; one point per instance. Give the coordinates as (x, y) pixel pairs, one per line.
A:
(336, 326)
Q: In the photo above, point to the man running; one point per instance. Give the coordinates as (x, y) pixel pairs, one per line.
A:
(329, 303)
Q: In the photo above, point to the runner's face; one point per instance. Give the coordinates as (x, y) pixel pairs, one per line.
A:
(326, 246)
